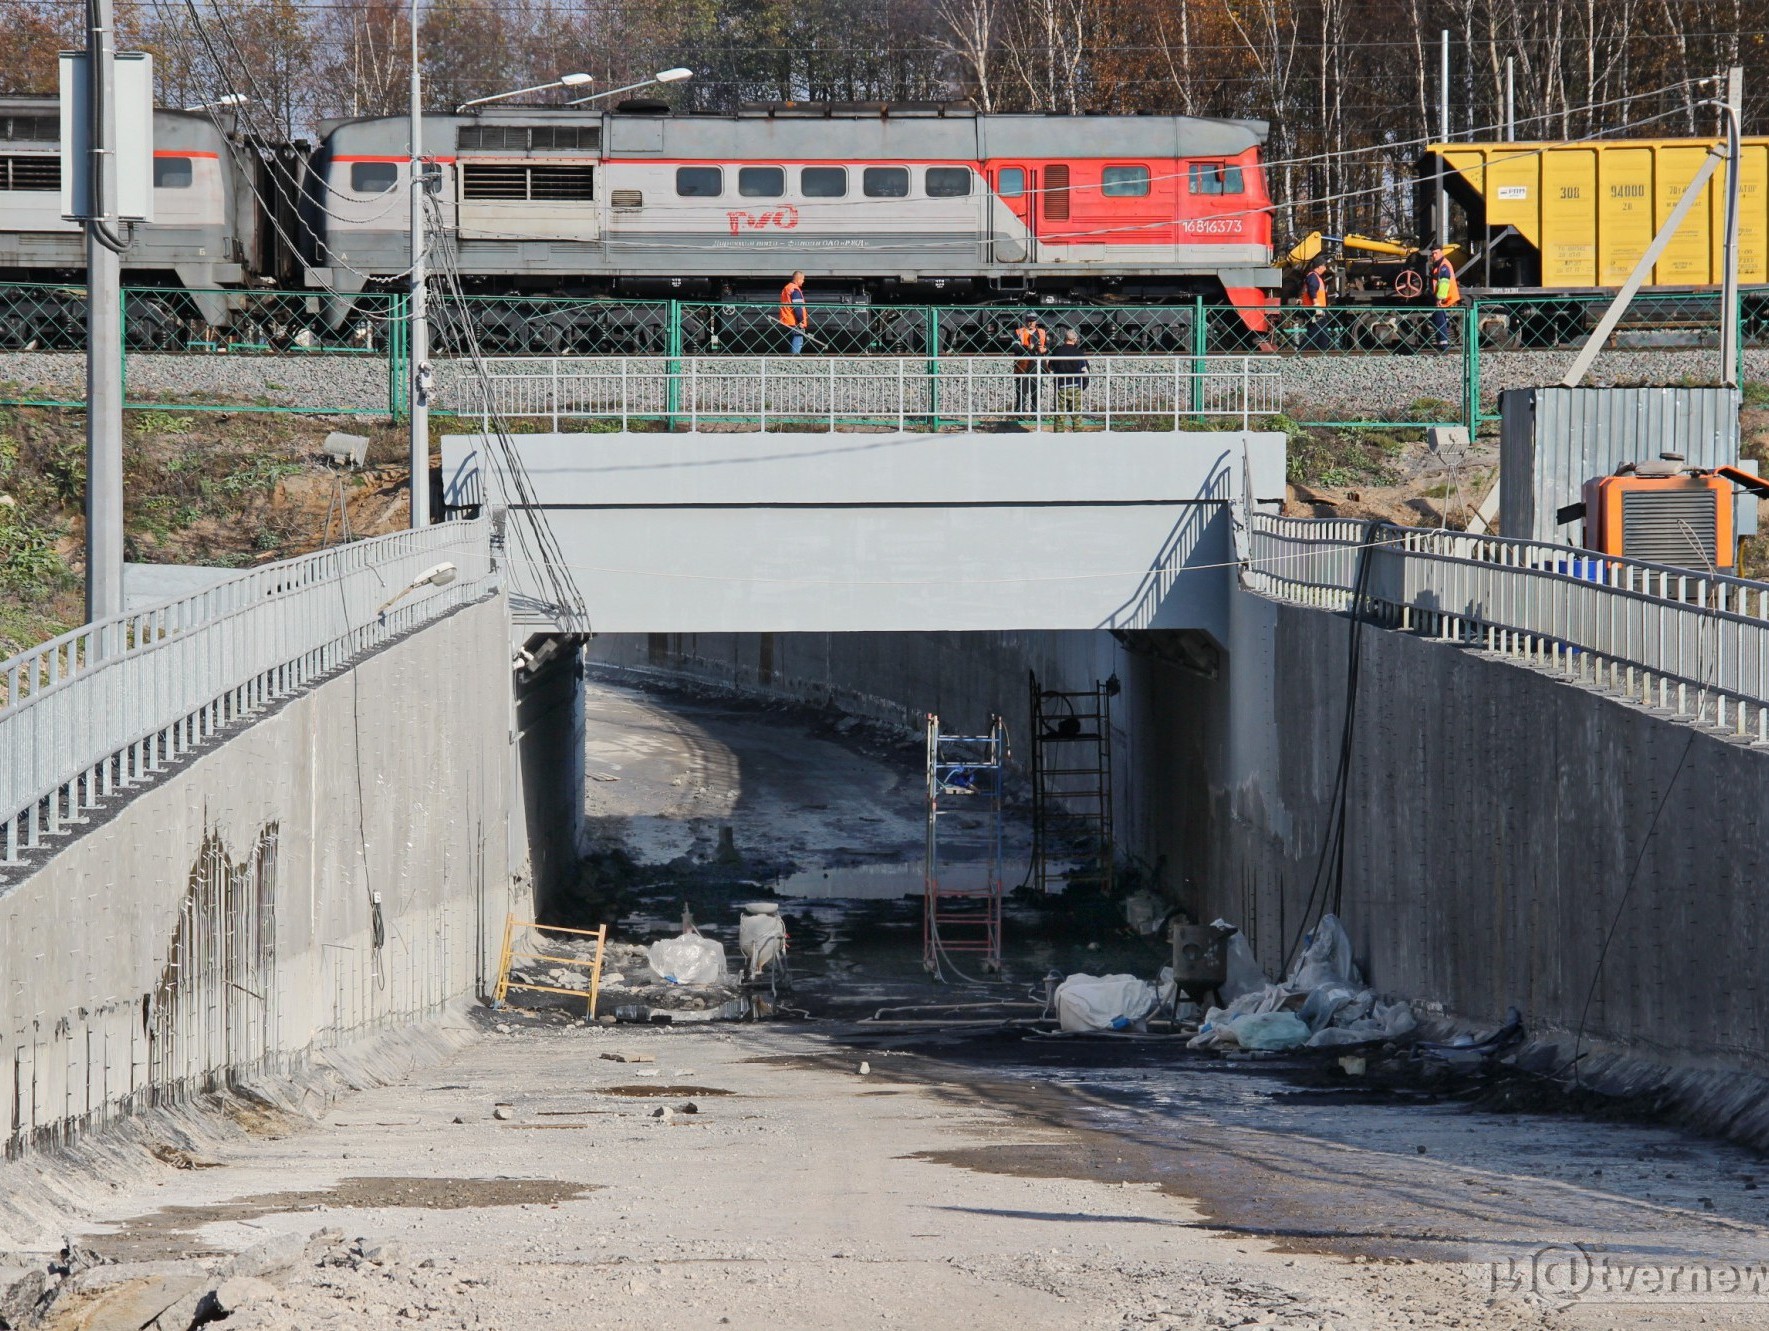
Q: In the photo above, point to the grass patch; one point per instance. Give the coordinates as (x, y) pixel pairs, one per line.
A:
(1339, 458)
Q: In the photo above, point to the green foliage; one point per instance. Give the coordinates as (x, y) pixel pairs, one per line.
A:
(161, 422)
(1756, 393)
(1338, 458)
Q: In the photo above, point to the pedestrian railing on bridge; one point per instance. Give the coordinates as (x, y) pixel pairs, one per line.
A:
(111, 705)
(1692, 643)
(894, 392)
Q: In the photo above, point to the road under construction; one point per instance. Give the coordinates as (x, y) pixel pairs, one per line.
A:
(893, 782)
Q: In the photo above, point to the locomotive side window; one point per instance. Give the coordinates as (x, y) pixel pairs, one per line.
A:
(824, 182)
(365, 177)
(1125, 182)
(761, 182)
(948, 182)
(172, 173)
(699, 182)
(43, 129)
(885, 182)
(1011, 182)
(1215, 178)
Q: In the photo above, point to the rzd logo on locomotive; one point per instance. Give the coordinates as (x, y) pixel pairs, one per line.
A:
(784, 218)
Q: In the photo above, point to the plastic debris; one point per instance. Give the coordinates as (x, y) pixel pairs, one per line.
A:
(1269, 1030)
(1104, 1002)
(1325, 960)
(691, 958)
(1244, 973)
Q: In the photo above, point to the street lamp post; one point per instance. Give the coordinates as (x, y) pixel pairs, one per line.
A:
(418, 323)
(662, 76)
(563, 81)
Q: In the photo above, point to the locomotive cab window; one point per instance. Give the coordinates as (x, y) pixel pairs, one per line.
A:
(761, 182)
(824, 182)
(885, 182)
(1216, 178)
(367, 177)
(172, 173)
(699, 182)
(1124, 182)
(1010, 181)
(948, 182)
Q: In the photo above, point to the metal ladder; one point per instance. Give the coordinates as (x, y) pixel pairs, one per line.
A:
(1072, 786)
(965, 774)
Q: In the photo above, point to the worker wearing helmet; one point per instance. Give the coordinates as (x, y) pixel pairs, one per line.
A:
(793, 313)
(1446, 294)
(1314, 297)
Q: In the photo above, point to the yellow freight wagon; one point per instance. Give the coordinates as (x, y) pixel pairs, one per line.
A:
(1582, 214)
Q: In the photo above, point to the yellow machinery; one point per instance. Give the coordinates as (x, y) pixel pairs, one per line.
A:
(1389, 269)
(1567, 216)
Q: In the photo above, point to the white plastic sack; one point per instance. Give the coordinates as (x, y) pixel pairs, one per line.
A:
(1270, 1030)
(1143, 912)
(1244, 973)
(690, 959)
(1103, 1002)
(1326, 960)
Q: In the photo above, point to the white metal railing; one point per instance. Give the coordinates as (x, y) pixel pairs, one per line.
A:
(109, 705)
(1692, 643)
(1121, 392)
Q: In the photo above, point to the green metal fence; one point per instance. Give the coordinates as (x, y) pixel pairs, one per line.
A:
(1350, 365)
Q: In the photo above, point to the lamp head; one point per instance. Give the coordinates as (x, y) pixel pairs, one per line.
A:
(674, 75)
(575, 80)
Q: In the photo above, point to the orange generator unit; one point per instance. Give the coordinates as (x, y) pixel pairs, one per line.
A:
(1665, 512)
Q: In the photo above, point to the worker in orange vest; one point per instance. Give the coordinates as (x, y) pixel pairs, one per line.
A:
(1446, 293)
(793, 313)
(1314, 297)
(1033, 341)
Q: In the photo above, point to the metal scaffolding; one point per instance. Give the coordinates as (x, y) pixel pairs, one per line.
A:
(1072, 786)
(965, 773)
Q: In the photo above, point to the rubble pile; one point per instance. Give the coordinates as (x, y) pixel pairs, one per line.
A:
(85, 1289)
(1322, 1003)
(633, 985)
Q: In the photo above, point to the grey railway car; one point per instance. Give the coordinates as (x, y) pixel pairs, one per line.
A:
(879, 205)
(205, 236)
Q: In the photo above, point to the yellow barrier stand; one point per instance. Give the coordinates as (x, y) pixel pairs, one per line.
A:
(504, 984)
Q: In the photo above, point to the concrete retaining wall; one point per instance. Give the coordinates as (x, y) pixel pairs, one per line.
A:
(1496, 817)
(223, 920)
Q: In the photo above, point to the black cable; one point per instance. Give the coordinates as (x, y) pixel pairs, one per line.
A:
(1333, 841)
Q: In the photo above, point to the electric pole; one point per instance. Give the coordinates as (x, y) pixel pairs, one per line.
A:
(1443, 107)
(104, 326)
(1734, 111)
(418, 323)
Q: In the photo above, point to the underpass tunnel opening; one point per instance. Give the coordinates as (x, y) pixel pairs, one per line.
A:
(797, 770)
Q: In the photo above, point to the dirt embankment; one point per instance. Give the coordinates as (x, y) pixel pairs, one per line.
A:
(200, 487)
